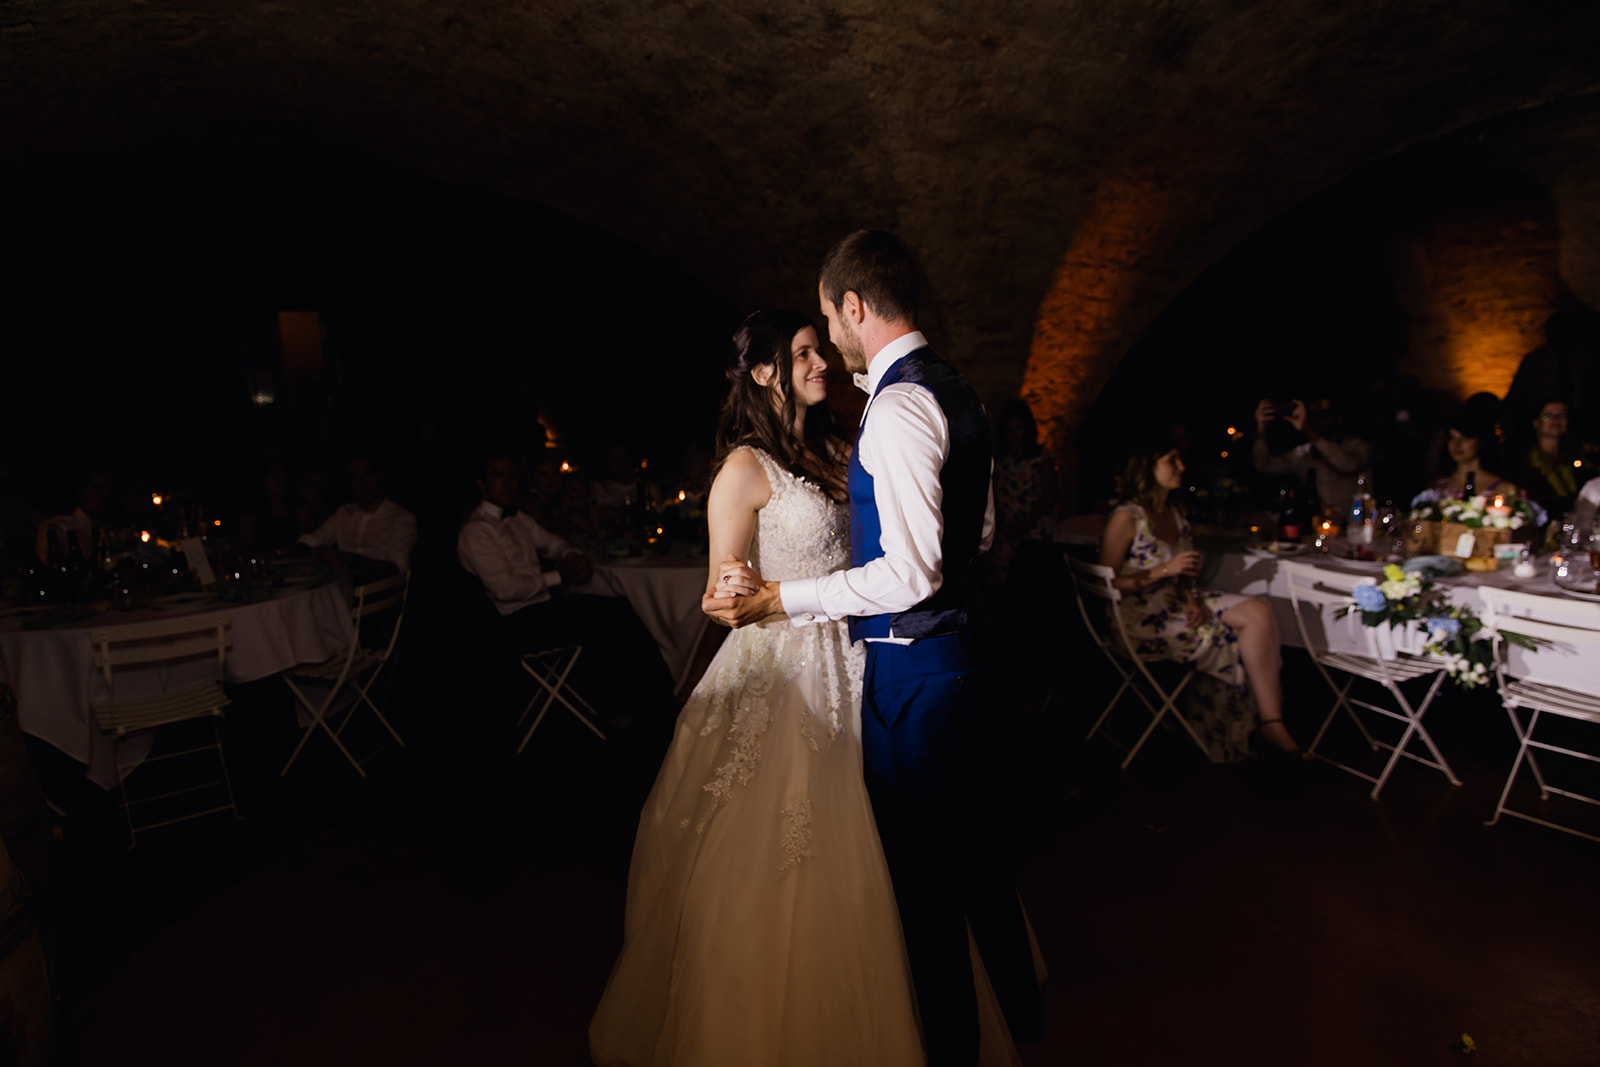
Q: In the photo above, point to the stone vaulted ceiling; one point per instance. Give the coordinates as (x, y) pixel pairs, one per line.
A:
(1063, 169)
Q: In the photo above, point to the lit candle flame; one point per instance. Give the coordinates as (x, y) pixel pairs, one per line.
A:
(155, 498)
(1499, 501)
(682, 496)
(1224, 455)
(144, 535)
(566, 468)
(216, 522)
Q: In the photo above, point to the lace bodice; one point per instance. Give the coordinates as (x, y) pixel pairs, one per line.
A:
(801, 533)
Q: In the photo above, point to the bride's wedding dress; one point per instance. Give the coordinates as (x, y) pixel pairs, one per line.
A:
(761, 925)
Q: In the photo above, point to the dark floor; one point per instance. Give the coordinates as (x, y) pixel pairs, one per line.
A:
(463, 906)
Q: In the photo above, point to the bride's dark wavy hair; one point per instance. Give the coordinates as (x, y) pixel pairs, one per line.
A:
(761, 416)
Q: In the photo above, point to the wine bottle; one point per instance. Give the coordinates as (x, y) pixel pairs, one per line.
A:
(77, 568)
(1313, 501)
(1289, 517)
(1468, 488)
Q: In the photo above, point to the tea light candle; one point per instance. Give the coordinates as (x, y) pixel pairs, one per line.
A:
(1499, 507)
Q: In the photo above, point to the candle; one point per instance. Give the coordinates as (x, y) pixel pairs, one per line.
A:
(155, 498)
(1499, 508)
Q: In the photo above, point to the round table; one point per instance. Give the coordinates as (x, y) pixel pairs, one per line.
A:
(52, 671)
(664, 592)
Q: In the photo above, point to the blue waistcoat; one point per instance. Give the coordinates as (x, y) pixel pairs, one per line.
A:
(964, 480)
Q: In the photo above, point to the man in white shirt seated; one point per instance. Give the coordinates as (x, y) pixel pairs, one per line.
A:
(83, 521)
(526, 571)
(372, 535)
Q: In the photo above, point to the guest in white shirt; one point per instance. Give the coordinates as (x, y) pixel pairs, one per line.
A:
(373, 534)
(526, 572)
(94, 496)
(518, 561)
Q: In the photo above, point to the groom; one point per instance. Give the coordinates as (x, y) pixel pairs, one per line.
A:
(920, 513)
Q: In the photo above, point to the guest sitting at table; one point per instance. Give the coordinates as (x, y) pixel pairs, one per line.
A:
(372, 535)
(1231, 639)
(1552, 469)
(82, 523)
(274, 520)
(1472, 446)
(526, 572)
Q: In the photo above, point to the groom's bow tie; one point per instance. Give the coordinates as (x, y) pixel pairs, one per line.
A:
(863, 383)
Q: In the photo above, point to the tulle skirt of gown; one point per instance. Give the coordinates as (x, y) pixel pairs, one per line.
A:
(761, 925)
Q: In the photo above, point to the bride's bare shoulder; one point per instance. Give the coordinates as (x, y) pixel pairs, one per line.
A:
(742, 481)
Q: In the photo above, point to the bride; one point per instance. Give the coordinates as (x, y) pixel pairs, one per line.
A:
(761, 924)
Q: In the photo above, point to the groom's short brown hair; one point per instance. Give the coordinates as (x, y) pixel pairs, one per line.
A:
(877, 267)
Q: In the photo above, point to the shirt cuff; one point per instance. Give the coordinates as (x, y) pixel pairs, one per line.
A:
(799, 599)
(552, 579)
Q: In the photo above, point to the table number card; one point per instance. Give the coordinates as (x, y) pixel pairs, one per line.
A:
(195, 553)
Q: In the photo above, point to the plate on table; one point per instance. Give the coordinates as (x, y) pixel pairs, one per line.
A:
(1579, 593)
(179, 601)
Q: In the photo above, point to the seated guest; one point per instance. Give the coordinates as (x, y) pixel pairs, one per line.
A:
(372, 535)
(1311, 439)
(81, 524)
(1230, 638)
(624, 488)
(525, 571)
(1473, 450)
(274, 520)
(1549, 471)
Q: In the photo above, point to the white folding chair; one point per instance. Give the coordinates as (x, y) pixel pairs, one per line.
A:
(551, 668)
(350, 673)
(1324, 593)
(1570, 627)
(1092, 582)
(181, 645)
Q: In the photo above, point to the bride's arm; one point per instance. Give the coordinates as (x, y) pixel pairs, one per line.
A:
(739, 493)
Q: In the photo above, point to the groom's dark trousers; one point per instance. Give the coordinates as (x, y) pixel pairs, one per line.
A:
(922, 732)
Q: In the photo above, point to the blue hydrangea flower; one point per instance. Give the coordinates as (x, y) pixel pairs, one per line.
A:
(1370, 598)
(1443, 626)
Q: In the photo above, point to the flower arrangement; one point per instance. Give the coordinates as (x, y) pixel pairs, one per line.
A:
(1503, 511)
(1403, 600)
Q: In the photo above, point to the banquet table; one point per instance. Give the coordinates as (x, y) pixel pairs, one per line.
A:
(1257, 573)
(51, 671)
(664, 592)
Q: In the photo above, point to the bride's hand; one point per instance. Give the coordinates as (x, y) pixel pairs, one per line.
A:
(737, 579)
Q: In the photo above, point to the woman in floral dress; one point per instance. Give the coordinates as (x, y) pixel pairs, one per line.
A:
(1231, 639)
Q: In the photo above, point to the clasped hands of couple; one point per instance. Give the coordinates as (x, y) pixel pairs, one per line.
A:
(739, 596)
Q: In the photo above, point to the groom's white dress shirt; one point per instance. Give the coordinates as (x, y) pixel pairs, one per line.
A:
(903, 447)
(506, 553)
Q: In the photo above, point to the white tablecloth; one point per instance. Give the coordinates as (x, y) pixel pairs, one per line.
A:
(52, 671)
(1257, 575)
(665, 594)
